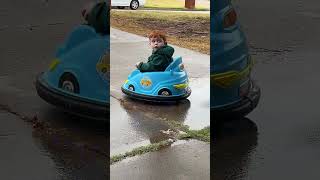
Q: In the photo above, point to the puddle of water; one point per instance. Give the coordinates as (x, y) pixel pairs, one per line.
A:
(136, 123)
(234, 146)
(198, 115)
(194, 111)
(131, 128)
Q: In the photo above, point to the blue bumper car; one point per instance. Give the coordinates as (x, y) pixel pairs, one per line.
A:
(233, 92)
(78, 77)
(169, 85)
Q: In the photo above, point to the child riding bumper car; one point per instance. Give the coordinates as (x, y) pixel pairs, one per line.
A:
(169, 85)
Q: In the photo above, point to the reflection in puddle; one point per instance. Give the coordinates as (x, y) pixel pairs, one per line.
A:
(136, 123)
(234, 145)
(74, 158)
(194, 111)
(123, 131)
(19, 149)
(198, 115)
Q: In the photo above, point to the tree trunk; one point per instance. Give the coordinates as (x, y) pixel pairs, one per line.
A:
(190, 4)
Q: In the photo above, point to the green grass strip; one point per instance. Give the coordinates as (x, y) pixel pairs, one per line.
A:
(140, 150)
(202, 135)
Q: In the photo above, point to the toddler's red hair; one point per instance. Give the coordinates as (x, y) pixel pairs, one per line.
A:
(158, 34)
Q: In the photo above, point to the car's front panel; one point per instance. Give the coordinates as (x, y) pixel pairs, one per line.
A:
(88, 63)
(151, 83)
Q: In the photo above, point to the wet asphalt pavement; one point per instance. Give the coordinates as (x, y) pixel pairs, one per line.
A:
(37, 140)
(135, 123)
(280, 139)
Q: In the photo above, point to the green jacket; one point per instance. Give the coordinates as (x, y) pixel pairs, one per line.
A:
(159, 60)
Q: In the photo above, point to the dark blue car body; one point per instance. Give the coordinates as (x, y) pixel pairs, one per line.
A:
(78, 78)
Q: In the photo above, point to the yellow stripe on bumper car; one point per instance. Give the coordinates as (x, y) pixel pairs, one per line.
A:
(180, 86)
(54, 64)
(228, 78)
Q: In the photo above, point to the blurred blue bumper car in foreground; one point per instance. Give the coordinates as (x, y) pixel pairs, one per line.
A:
(169, 85)
(78, 77)
(233, 92)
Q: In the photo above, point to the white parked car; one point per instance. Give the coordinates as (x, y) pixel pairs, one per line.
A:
(133, 4)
